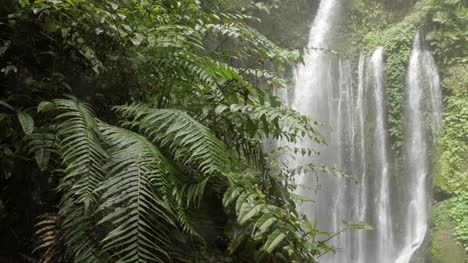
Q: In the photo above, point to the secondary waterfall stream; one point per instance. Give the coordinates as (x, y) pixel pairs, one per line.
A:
(383, 223)
(423, 97)
(352, 110)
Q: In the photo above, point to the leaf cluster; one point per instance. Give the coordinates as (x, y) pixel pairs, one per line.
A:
(141, 182)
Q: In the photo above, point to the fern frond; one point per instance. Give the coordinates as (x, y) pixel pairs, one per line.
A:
(81, 151)
(185, 221)
(186, 66)
(190, 142)
(79, 231)
(193, 193)
(50, 242)
(133, 199)
(272, 121)
(84, 159)
(320, 168)
(229, 17)
(276, 229)
(180, 68)
(174, 36)
(258, 43)
(271, 78)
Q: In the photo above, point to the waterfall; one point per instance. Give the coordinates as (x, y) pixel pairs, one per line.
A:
(383, 224)
(314, 95)
(423, 97)
(360, 111)
(347, 203)
(313, 89)
(354, 123)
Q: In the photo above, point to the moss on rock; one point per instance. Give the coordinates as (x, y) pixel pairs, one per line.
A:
(445, 248)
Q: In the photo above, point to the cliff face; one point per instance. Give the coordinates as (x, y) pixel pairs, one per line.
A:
(392, 25)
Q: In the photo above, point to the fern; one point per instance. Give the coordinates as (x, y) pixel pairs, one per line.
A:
(134, 201)
(81, 151)
(272, 121)
(189, 142)
(257, 43)
(83, 158)
(277, 230)
(320, 168)
(49, 237)
(134, 194)
(174, 36)
(271, 78)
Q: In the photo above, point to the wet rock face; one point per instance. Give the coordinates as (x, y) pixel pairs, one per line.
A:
(445, 248)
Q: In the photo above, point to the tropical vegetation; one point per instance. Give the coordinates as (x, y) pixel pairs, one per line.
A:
(136, 131)
(131, 131)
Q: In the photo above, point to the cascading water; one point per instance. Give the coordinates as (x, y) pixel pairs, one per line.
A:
(312, 92)
(383, 223)
(345, 152)
(354, 125)
(344, 116)
(314, 96)
(423, 97)
(361, 172)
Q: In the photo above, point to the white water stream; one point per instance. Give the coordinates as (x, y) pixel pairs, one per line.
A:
(423, 96)
(383, 224)
(354, 117)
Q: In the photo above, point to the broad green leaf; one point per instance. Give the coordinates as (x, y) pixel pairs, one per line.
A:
(231, 195)
(45, 106)
(274, 240)
(42, 158)
(263, 225)
(241, 199)
(42, 145)
(26, 121)
(236, 241)
(254, 211)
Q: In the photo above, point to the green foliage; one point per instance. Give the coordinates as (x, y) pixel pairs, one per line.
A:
(445, 248)
(274, 225)
(392, 26)
(135, 196)
(26, 121)
(278, 123)
(363, 17)
(396, 41)
(83, 159)
(130, 183)
(451, 177)
(43, 146)
(180, 134)
(139, 195)
(448, 35)
(81, 152)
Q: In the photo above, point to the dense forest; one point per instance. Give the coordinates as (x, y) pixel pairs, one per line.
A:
(170, 131)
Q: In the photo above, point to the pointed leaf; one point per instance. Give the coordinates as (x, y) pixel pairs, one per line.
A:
(26, 121)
